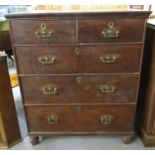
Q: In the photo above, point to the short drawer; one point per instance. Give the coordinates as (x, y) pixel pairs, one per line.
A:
(81, 59)
(43, 32)
(80, 89)
(111, 30)
(80, 118)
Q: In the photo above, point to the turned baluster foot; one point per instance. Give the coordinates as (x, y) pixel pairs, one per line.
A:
(34, 140)
(128, 139)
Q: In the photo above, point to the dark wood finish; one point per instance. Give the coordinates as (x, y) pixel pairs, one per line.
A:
(79, 75)
(5, 43)
(130, 30)
(80, 15)
(147, 96)
(127, 60)
(9, 128)
(86, 120)
(63, 32)
(66, 60)
(87, 91)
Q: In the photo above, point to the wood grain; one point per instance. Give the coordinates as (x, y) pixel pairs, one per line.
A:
(87, 91)
(87, 120)
(63, 31)
(66, 60)
(130, 30)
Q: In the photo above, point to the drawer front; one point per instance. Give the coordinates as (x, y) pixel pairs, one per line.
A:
(109, 58)
(43, 32)
(46, 59)
(80, 118)
(72, 59)
(80, 89)
(111, 30)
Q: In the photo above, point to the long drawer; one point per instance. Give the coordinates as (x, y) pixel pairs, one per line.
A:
(80, 118)
(80, 89)
(43, 31)
(81, 59)
(111, 30)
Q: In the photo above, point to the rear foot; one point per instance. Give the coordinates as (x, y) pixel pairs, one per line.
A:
(128, 139)
(34, 140)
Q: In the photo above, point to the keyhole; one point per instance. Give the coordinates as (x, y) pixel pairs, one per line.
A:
(78, 80)
(110, 24)
(43, 25)
(78, 109)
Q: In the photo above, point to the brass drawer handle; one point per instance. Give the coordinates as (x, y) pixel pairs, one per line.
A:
(50, 89)
(108, 58)
(43, 32)
(107, 89)
(47, 59)
(77, 51)
(111, 31)
(106, 119)
(53, 119)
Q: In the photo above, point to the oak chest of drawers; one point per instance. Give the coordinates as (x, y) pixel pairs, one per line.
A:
(79, 72)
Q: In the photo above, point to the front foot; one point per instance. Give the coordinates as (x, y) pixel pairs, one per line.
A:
(34, 140)
(128, 139)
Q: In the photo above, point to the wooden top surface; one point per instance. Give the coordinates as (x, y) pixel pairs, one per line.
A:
(81, 14)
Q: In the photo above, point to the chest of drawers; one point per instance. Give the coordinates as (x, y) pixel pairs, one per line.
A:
(79, 71)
